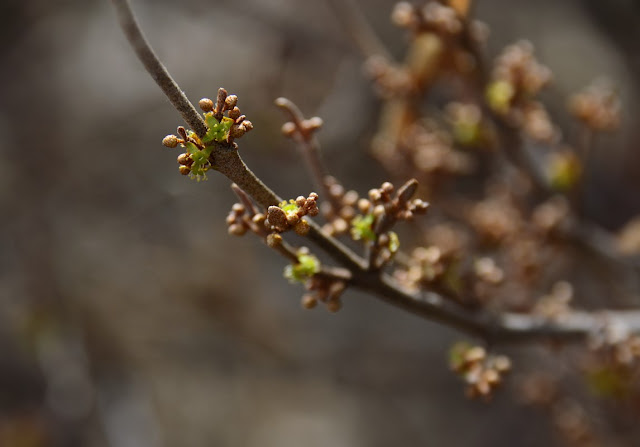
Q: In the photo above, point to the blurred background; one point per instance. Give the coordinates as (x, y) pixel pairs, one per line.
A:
(128, 316)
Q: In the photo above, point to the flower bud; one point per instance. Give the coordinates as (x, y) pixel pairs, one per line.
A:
(170, 141)
(288, 129)
(184, 159)
(274, 240)
(334, 305)
(234, 113)
(237, 229)
(387, 187)
(206, 104)
(231, 101)
(312, 124)
(302, 227)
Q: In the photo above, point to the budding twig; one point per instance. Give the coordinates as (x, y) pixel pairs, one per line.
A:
(505, 327)
(303, 131)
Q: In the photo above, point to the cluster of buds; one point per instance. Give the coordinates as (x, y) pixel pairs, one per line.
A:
(237, 220)
(325, 290)
(380, 213)
(289, 215)
(240, 220)
(196, 160)
(518, 67)
(387, 207)
(482, 372)
(431, 151)
(517, 77)
(433, 16)
(438, 22)
(302, 130)
(390, 80)
(341, 208)
(615, 343)
(235, 123)
(556, 304)
(425, 266)
(597, 106)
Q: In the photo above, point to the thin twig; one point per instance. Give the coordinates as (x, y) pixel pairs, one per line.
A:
(310, 149)
(245, 199)
(156, 69)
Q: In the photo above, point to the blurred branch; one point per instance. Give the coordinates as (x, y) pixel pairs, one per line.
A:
(502, 328)
(496, 328)
(303, 132)
(397, 113)
(599, 241)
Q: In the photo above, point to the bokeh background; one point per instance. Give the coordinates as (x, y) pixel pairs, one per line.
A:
(128, 316)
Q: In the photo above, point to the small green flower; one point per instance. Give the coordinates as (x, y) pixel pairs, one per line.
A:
(200, 159)
(290, 208)
(362, 228)
(218, 130)
(307, 266)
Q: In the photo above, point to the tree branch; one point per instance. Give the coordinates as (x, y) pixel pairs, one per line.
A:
(156, 69)
(504, 328)
(496, 328)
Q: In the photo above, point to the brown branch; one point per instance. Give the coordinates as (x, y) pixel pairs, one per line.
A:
(310, 149)
(503, 328)
(495, 328)
(229, 163)
(156, 69)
